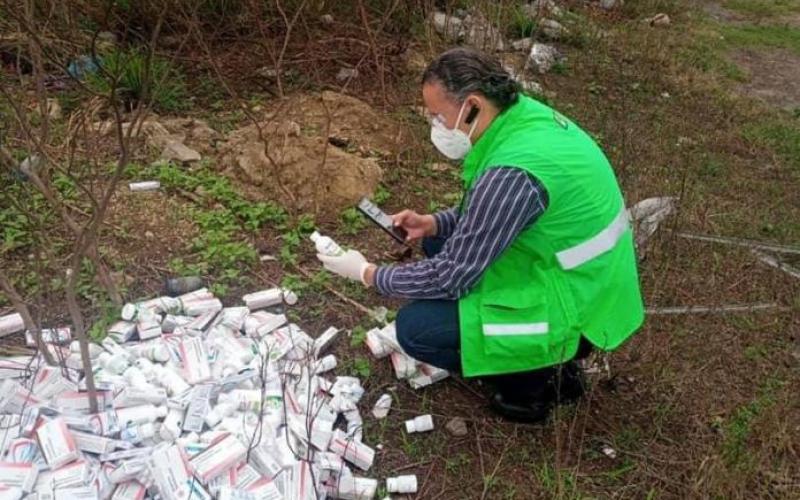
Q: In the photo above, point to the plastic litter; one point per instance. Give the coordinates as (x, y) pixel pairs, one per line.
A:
(196, 400)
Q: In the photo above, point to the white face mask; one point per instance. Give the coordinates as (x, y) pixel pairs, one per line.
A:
(453, 143)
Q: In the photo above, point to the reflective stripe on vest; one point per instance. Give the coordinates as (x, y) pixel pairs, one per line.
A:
(502, 329)
(599, 244)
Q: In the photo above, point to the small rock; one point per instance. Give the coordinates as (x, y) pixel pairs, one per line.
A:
(609, 452)
(345, 74)
(289, 128)
(326, 19)
(54, 109)
(447, 25)
(481, 33)
(552, 29)
(30, 165)
(440, 167)
(539, 8)
(541, 58)
(610, 4)
(178, 151)
(522, 44)
(107, 37)
(532, 86)
(665, 95)
(149, 235)
(457, 427)
(267, 72)
(658, 20)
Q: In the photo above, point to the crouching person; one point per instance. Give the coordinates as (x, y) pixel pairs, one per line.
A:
(535, 268)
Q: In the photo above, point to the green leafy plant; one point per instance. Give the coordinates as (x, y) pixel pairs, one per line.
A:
(139, 78)
(352, 221)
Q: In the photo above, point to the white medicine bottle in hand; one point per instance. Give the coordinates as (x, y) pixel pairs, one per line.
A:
(325, 245)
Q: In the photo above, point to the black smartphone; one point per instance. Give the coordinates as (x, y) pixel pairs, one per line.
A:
(376, 215)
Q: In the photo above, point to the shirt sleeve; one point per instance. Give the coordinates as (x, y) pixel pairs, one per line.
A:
(446, 221)
(503, 202)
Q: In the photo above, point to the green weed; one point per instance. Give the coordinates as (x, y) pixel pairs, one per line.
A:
(781, 137)
(139, 79)
(381, 195)
(764, 8)
(357, 336)
(352, 221)
(222, 247)
(737, 430)
(762, 36)
(293, 237)
(362, 367)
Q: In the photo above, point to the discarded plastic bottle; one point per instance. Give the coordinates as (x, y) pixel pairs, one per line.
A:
(325, 245)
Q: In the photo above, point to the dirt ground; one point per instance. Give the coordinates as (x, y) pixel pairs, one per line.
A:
(695, 405)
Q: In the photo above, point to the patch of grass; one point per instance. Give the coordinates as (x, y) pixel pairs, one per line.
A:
(352, 221)
(357, 336)
(781, 137)
(557, 483)
(222, 247)
(456, 463)
(140, 79)
(293, 236)
(381, 195)
(738, 429)
(762, 36)
(764, 8)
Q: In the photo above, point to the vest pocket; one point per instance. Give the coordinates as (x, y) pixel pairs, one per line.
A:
(515, 324)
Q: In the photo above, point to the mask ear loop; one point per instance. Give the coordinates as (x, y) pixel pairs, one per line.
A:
(458, 120)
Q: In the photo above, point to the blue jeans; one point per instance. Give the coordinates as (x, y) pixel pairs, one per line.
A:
(428, 330)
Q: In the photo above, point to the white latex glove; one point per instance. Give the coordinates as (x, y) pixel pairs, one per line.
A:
(349, 265)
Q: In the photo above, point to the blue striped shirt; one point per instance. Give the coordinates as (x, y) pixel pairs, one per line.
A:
(503, 202)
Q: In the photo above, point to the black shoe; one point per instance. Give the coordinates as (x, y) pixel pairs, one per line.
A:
(530, 411)
(568, 384)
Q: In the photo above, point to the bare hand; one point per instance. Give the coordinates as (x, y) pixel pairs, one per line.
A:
(416, 226)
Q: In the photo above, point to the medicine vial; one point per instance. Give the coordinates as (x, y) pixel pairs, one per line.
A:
(325, 364)
(325, 245)
(423, 423)
(382, 406)
(402, 484)
(289, 297)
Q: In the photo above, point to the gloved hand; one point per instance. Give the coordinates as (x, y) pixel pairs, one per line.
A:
(349, 265)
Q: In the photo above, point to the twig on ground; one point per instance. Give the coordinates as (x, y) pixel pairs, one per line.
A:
(741, 243)
(714, 309)
(777, 263)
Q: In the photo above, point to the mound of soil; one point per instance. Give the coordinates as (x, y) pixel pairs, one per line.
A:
(312, 152)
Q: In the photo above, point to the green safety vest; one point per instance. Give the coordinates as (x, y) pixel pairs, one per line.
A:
(571, 273)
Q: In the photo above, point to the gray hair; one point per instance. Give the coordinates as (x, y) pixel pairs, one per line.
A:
(462, 71)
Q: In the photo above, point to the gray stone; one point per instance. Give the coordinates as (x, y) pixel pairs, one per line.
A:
(346, 74)
(482, 34)
(448, 26)
(178, 151)
(541, 58)
(523, 44)
(541, 8)
(457, 427)
(552, 29)
(532, 86)
(611, 4)
(658, 20)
